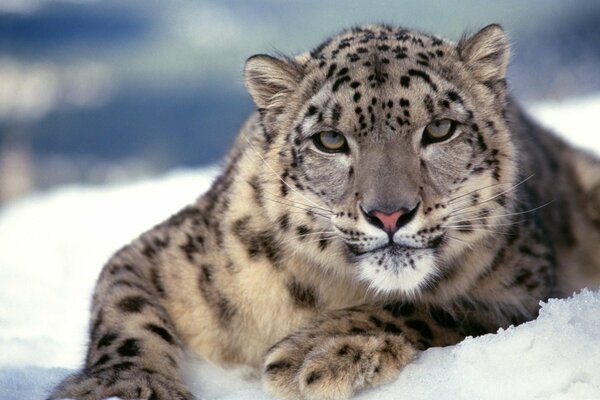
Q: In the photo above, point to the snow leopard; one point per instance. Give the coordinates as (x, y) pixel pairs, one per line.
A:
(388, 195)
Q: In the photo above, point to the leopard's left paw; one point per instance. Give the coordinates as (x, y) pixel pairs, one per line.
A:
(334, 367)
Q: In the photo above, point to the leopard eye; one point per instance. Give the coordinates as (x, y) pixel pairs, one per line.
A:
(439, 130)
(330, 142)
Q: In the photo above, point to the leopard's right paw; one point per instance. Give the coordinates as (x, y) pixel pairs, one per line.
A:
(126, 383)
(321, 367)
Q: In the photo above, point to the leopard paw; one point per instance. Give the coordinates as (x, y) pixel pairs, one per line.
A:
(334, 367)
(122, 381)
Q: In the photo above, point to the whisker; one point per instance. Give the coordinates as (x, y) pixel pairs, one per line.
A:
(468, 228)
(276, 174)
(310, 214)
(298, 202)
(319, 240)
(475, 212)
(295, 238)
(512, 188)
(486, 225)
(507, 215)
(476, 190)
(315, 233)
(306, 210)
(296, 205)
(458, 240)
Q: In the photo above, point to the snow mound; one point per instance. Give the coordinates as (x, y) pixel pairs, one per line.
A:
(555, 357)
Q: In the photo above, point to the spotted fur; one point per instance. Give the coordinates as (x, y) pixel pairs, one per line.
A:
(281, 267)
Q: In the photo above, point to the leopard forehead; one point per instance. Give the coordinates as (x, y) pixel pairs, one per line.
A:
(380, 58)
(365, 73)
(356, 46)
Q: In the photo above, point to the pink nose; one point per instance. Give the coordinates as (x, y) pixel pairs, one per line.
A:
(389, 221)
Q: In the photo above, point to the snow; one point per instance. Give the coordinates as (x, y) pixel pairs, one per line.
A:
(47, 276)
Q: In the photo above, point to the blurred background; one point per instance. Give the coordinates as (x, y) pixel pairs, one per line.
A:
(104, 91)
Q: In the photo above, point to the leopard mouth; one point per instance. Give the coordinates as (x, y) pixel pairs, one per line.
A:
(398, 249)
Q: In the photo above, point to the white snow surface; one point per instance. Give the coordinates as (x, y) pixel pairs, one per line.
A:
(53, 244)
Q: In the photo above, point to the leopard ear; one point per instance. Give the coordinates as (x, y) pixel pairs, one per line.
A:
(269, 80)
(486, 53)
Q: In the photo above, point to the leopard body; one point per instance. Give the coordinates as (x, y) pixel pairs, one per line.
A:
(281, 267)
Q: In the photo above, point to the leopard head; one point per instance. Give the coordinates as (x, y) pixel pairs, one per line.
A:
(395, 143)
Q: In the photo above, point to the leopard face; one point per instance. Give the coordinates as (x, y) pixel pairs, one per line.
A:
(397, 139)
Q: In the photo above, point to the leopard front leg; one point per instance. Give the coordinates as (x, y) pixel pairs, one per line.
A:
(127, 381)
(347, 351)
(134, 351)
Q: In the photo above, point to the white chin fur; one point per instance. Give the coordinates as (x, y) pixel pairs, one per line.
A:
(405, 279)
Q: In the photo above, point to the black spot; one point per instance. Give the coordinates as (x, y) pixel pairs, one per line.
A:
(149, 252)
(428, 101)
(225, 310)
(257, 190)
(322, 243)
(124, 366)
(378, 323)
(472, 328)
(303, 295)
(257, 243)
(107, 340)
(302, 230)
(453, 96)
(405, 81)
(336, 113)
(102, 360)
(356, 96)
(342, 71)
(276, 366)
(345, 349)
(190, 248)
(284, 222)
(420, 327)
(357, 331)
(443, 318)
(423, 75)
(116, 269)
(339, 82)
(156, 282)
(353, 57)
(331, 70)
(423, 344)
(313, 377)
(312, 110)
(132, 304)
(400, 309)
(481, 142)
(392, 328)
(207, 273)
(129, 348)
(160, 332)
